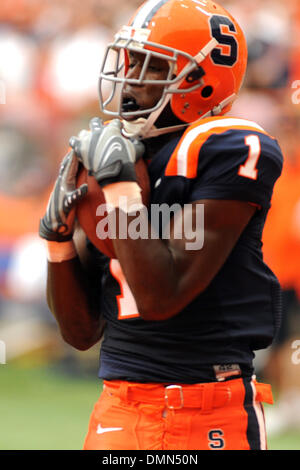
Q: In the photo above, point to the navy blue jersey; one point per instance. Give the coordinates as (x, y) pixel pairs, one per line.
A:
(239, 312)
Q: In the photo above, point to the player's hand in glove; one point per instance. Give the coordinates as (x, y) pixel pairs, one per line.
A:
(58, 222)
(106, 153)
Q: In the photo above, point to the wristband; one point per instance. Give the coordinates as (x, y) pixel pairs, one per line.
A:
(125, 195)
(57, 252)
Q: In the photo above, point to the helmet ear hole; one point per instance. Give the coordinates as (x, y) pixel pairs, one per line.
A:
(207, 91)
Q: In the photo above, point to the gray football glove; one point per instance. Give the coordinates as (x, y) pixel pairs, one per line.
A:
(58, 222)
(106, 153)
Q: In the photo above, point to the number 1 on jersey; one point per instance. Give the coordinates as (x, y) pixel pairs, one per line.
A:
(249, 170)
(127, 307)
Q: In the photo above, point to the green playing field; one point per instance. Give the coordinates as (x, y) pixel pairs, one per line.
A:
(41, 409)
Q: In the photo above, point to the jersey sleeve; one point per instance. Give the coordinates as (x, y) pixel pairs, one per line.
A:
(238, 164)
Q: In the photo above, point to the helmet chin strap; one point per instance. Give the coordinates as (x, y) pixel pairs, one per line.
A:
(133, 128)
(143, 128)
(217, 109)
(136, 129)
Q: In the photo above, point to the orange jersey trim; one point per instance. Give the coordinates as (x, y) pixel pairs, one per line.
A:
(184, 160)
(127, 307)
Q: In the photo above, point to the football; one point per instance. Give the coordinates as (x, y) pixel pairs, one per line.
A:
(89, 214)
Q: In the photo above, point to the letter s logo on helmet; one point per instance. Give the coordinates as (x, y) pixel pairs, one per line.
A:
(204, 46)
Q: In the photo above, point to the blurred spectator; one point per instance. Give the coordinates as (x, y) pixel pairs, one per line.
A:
(70, 75)
(282, 253)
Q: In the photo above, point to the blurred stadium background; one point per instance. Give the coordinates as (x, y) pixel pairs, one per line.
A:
(50, 55)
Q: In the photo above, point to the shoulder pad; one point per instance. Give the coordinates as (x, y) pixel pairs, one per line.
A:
(184, 160)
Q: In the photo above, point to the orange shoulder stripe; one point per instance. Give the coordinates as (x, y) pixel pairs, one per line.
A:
(184, 160)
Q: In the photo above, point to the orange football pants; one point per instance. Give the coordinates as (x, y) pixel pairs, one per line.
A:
(208, 416)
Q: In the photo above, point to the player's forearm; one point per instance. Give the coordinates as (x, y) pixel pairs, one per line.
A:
(166, 276)
(150, 269)
(71, 303)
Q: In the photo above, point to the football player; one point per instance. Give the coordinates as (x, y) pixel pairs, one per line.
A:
(180, 322)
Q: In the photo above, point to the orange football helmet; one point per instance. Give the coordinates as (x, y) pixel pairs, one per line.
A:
(207, 54)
